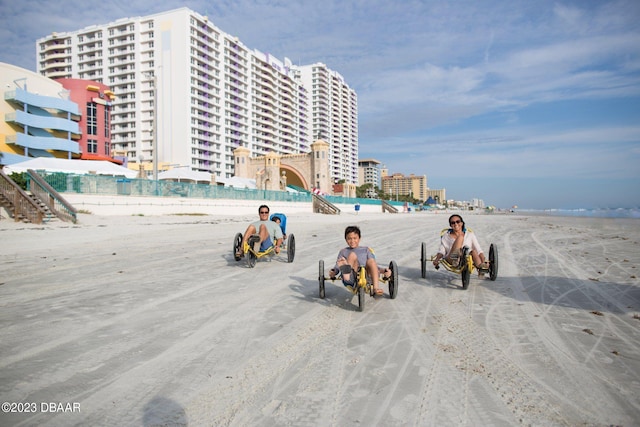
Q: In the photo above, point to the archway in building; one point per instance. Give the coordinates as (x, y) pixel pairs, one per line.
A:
(293, 177)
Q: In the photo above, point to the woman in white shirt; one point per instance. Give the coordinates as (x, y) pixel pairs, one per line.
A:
(454, 239)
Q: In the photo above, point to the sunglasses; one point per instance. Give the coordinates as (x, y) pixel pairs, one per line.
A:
(264, 212)
(455, 222)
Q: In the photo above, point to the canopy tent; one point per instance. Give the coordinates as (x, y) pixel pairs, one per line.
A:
(185, 175)
(81, 167)
(237, 182)
(430, 201)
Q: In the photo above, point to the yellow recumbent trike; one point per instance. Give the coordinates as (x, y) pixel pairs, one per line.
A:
(465, 266)
(362, 283)
(252, 254)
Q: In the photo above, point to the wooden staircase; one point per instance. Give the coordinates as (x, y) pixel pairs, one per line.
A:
(19, 205)
(42, 204)
(322, 205)
(388, 207)
(50, 200)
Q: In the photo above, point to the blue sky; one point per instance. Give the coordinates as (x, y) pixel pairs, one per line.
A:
(528, 103)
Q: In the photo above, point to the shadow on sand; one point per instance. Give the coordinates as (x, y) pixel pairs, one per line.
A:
(335, 293)
(161, 411)
(590, 294)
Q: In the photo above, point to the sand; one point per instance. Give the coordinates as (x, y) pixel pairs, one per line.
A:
(147, 320)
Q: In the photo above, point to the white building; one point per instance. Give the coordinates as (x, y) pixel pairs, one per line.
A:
(333, 117)
(369, 172)
(209, 92)
(477, 203)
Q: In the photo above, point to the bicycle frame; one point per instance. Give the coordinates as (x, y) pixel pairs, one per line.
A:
(459, 268)
(259, 254)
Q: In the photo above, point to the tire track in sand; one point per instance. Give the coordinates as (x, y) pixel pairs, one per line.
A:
(253, 378)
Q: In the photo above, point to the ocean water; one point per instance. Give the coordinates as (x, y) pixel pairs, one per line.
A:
(590, 213)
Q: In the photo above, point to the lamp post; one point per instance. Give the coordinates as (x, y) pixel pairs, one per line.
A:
(155, 127)
(154, 140)
(141, 173)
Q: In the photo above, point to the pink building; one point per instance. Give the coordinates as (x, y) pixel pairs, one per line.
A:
(94, 100)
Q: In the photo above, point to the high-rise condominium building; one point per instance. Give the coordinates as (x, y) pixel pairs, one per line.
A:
(334, 118)
(195, 93)
(189, 94)
(369, 172)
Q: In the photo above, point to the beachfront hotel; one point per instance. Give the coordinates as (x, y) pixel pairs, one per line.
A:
(401, 185)
(188, 94)
(334, 118)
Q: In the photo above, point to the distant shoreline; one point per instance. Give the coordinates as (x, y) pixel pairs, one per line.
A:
(631, 213)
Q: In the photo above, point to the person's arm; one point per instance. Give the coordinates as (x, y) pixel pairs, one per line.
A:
(442, 251)
(276, 232)
(436, 261)
(370, 253)
(278, 245)
(334, 271)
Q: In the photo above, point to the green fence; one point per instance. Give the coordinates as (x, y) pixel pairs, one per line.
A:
(119, 186)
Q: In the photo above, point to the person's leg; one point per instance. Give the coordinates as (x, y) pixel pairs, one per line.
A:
(374, 272)
(250, 231)
(455, 251)
(265, 238)
(351, 261)
(345, 271)
(478, 260)
(263, 233)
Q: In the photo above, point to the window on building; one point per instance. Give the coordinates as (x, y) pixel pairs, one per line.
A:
(92, 119)
(92, 146)
(107, 124)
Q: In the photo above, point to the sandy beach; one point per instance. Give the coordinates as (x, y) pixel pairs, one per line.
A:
(135, 319)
